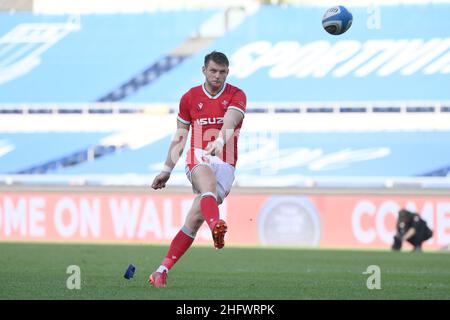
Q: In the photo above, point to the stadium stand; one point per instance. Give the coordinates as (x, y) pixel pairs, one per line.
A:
(282, 55)
(340, 131)
(83, 57)
(304, 80)
(24, 151)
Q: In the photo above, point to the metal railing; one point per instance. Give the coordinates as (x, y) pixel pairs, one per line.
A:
(253, 107)
(292, 181)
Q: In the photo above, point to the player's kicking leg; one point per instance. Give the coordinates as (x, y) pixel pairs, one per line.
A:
(204, 180)
(179, 245)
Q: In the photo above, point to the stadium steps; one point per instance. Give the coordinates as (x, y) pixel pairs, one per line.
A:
(158, 69)
(144, 78)
(441, 172)
(88, 154)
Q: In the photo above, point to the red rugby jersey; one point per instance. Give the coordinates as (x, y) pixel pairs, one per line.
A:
(205, 115)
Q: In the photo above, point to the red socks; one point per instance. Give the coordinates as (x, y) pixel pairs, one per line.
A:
(178, 247)
(209, 209)
(184, 238)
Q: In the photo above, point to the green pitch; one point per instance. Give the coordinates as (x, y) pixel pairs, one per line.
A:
(38, 271)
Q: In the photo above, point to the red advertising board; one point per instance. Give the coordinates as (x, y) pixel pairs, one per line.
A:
(360, 221)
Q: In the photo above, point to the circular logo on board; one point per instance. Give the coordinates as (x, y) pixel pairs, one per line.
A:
(291, 221)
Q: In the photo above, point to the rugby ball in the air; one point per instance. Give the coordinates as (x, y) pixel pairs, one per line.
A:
(337, 20)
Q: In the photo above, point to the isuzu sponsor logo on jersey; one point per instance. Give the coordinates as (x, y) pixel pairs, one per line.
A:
(381, 57)
(204, 121)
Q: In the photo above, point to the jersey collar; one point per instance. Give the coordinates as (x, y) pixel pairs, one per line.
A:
(217, 95)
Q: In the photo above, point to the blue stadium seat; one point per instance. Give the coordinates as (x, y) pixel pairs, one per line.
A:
(56, 58)
(267, 60)
(29, 150)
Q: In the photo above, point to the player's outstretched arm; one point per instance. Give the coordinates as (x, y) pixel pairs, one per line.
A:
(230, 120)
(173, 155)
